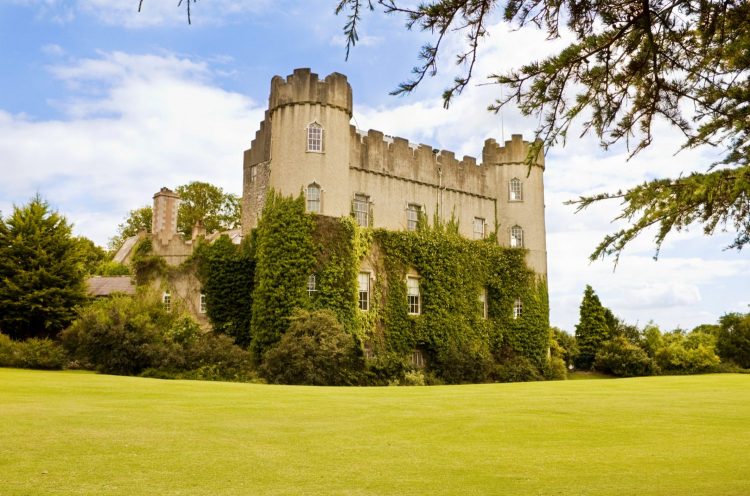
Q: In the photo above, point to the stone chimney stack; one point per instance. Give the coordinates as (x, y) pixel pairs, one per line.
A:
(199, 230)
(164, 223)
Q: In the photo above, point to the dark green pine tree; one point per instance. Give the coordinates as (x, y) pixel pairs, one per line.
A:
(592, 329)
(42, 270)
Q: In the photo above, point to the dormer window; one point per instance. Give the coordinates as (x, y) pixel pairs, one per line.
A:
(315, 137)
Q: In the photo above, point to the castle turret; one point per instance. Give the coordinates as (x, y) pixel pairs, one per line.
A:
(303, 143)
(520, 197)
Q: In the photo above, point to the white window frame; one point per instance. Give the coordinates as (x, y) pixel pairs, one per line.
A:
(253, 173)
(364, 293)
(517, 308)
(313, 202)
(483, 301)
(166, 300)
(479, 222)
(413, 296)
(202, 303)
(413, 210)
(361, 208)
(315, 134)
(515, 190)
(312, 285)
(516, 237)
(417, 359)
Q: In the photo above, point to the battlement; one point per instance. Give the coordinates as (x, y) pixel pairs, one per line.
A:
(515, 151)
(303, 87)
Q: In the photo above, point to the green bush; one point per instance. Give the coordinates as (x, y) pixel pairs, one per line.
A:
(675, 358)
(621, 358)
(385, 368)
(123, 335)
(464, 362)
(517, 369)
(215, 357)
(33, 353)
(555, 369)
(314, 350)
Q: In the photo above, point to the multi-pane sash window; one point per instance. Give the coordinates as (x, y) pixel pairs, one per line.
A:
(516, 189)
(311, 284)
(202, 307)
(478, 228)
(516, 237)
(412, 295)
(314, 137)
(313, 198)
(417, 359)
(412, 216)
(253, 173)
(166, 300)
(364, 291)
(517, 308)
(362, 210)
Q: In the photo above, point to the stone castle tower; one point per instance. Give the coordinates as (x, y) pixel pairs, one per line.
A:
(306, 143)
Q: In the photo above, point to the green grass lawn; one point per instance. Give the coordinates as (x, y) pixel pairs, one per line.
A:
(79, 433)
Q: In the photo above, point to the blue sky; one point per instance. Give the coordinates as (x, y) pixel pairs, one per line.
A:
(101, 106)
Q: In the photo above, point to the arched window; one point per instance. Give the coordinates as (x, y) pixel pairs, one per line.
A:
(314, 137)
(516, 237)
(313, 198)
(516, 189)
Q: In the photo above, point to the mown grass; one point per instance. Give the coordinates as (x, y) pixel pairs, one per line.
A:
(77, 433)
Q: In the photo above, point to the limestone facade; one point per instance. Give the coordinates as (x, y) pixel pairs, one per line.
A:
(306, 143)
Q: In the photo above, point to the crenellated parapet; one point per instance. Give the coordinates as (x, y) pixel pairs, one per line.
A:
(515, 151)
(304, 87)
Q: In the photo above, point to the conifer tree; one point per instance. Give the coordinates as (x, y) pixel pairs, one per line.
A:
(42, 270)
(591, 330)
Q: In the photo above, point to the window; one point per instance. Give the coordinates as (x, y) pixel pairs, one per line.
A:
(313, 198)
(483, 302)
(516, 189)
(253, 173)
(202, 306)
(516, 237)
(369, 353)
(166, 300)
(412, 295)
(478, 228)
(417, 359)
(412, 216)
(314, 137)
(361, 208)
(311, 286)
(364, 291)
(517, 308)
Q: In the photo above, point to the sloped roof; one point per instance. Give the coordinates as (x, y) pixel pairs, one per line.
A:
(105, 286)
(124, 251)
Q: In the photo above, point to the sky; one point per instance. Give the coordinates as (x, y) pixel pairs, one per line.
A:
(100, 106)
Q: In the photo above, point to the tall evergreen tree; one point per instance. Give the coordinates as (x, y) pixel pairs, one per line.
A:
(42, 270)
(592, 329)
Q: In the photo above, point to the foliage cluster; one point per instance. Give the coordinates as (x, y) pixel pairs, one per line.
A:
(33, 353)
(592, 329)
(226, 273)
(42, 268)
(733, 339)
(136, 335)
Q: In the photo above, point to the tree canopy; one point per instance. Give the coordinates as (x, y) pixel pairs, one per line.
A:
(631, 62)
(42, 270)
(199, 201)
(592, 329)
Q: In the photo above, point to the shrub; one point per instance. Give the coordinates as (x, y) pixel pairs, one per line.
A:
(34, 353)
(385, 368)
(555, 369)
(463, 362)
(123, 335)
(215, 357)
(621, 358)
(314, 350)
(8, 356)
(517, 369)
(676, 358)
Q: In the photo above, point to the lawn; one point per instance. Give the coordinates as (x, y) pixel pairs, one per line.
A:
(79, 433)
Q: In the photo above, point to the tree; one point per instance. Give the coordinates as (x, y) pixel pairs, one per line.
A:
(591, 330)
(733, 341)
(208, 204)
(42, 271)
(199, 201)
(631, 62)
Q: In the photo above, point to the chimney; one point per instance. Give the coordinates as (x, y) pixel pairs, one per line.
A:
(164, 223)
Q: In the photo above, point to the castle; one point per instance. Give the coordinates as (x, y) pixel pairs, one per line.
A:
(306, 142)
(389, 186)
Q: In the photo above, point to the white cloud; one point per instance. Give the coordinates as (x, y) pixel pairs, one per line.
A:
(139, 122)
